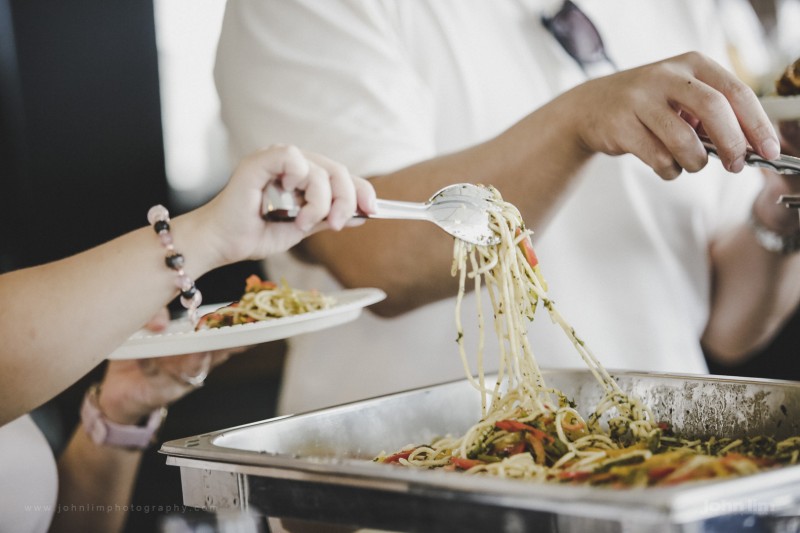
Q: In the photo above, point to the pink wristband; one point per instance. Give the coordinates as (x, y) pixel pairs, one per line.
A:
(104, 432)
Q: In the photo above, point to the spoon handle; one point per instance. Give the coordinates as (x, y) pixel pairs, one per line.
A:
(396, 209)
(282, 206)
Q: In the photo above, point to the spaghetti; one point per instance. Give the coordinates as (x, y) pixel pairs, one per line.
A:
(265, 300)
(530, 431)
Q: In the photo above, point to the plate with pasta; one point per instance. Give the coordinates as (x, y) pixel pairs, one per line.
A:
(784, 104)
(266, 312)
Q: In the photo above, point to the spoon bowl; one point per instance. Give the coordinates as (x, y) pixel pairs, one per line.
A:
(461, 209)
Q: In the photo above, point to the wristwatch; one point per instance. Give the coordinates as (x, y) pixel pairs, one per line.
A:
(103, 431)
(773, 241)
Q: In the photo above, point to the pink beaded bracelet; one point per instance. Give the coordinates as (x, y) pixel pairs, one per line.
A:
(191, 298)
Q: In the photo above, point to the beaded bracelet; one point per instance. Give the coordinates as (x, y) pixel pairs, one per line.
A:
(191, 298)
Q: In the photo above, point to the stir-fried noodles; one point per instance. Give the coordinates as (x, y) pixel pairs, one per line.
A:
(264, 300)
(528, 430)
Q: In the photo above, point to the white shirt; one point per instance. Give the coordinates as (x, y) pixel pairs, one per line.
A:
(379, 85)
(28, 478)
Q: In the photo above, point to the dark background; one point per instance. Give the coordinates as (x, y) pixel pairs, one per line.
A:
(82, 160)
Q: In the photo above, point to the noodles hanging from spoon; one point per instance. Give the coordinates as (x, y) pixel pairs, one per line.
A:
(528, 430)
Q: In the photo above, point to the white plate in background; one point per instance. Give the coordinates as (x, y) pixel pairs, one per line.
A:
(781, 107)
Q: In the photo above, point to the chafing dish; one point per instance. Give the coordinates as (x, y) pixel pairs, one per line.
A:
(317, 466)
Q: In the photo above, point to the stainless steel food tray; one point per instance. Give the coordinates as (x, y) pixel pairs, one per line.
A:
(317, 466)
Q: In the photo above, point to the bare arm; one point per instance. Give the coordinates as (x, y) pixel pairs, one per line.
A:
(411, 261)
(104, 475)
(49, 309)
(755, 291)
(651, 112)
(59, 320)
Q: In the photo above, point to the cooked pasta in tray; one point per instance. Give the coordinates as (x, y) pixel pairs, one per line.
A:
(528, 430)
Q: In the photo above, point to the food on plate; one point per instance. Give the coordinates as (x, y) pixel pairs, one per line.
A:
(531, 431)
(265, 300)
(789, 82)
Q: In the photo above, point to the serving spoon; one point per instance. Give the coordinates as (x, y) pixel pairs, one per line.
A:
(462, 210)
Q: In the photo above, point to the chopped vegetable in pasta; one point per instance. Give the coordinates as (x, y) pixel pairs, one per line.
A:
(264, 300)
(530, 431)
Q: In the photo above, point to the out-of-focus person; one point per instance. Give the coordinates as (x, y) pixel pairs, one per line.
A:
(61, 319)
(573, 127)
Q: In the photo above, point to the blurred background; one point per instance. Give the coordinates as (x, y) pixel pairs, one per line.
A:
(109, 107)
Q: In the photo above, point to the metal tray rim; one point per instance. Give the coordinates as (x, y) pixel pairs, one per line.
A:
(681, 503)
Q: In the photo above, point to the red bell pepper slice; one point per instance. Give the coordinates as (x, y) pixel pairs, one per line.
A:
(253, 283)
(512, 425)
(516, 449)
(664, 426)
(527, 248)
(574, 475)
(465, 464)
(516, 425)
(539, 456)
(659, 472)
(395, 458)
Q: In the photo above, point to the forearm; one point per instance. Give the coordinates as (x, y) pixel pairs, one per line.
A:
(754, 292)
(59, 320)
(95, 485)
(110, 291)
(532, 164)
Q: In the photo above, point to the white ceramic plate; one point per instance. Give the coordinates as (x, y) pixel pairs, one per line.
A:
(781, 107)
(180, 338)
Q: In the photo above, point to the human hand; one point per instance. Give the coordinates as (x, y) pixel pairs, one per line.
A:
(233, 218)
(132, 389)
(655, 111)
(767, 210)
(790, 137)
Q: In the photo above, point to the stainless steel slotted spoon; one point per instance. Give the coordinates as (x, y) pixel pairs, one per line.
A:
(462, 210)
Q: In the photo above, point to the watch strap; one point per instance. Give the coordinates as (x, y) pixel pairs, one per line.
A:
(103, 431)
(772, 241)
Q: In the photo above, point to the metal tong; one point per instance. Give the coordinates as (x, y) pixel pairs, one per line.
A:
(790, 201)
(462, 210)
(785, 164)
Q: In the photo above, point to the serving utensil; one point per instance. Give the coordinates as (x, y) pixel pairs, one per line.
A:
(462, 210)
(790, 201)
(785, 164)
